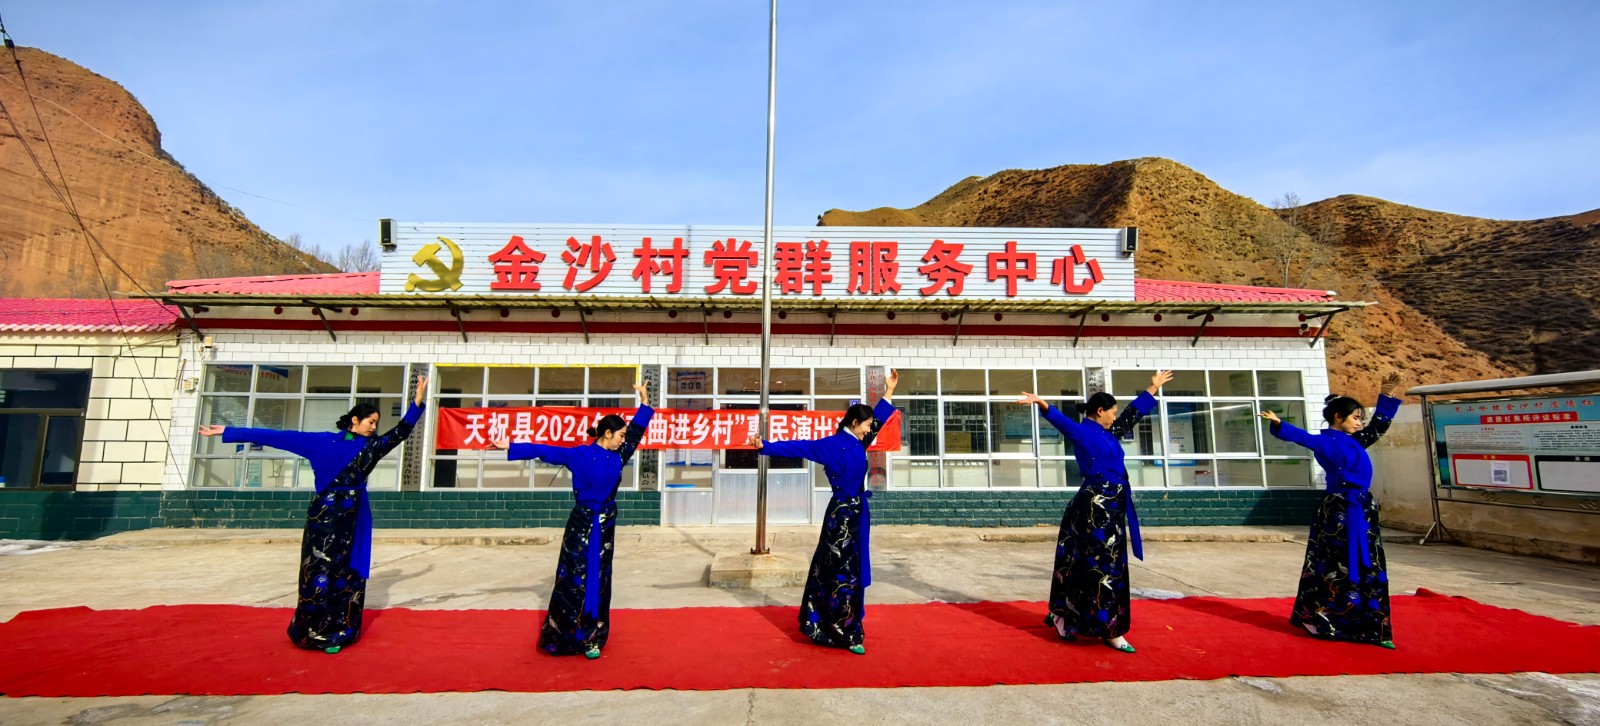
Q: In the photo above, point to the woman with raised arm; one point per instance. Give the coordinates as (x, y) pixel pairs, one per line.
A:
(834, 604)
(1089, 591)
(579, 618)
(336, 550)
(1344, 583)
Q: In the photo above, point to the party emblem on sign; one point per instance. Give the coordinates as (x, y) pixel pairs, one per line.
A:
(449, 276)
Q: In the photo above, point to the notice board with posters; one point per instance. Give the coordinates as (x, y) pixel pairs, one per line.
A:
(1546, 444)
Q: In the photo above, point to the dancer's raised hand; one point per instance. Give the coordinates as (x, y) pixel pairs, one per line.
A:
(1033, 399)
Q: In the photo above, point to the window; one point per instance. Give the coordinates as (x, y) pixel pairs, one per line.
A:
(522, 387)
(41, 427)
(962, 428)
(290, 397)
(1206, 434)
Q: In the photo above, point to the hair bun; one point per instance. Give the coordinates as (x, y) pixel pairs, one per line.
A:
(1081, 407)
(593, 432)
(1329, 398)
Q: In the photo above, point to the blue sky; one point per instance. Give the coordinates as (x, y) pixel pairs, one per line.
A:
(654, 112)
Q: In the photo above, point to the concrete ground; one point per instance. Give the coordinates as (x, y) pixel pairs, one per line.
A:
(667, 568)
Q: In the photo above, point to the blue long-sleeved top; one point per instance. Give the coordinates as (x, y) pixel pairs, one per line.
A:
(844, 460)
(329, 452)
(596, 475)
(1344, 457)
(1099, 453)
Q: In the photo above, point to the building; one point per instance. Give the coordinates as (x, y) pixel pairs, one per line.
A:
(512, 319)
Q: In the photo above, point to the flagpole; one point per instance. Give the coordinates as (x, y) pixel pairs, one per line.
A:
(766, 283)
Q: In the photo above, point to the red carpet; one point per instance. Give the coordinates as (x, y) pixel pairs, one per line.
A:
(235, 650)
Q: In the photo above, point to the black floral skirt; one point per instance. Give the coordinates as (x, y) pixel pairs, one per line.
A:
(328, 613)
(1089, 585)
(833, 607)
(1334, 601)
(577, 620)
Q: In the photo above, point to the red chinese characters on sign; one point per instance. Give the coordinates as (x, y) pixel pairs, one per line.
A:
(794, 266)
(516, 266)
(594, 254)
(873, 268)
(659, 261)
(944, 269)
(478, 428)
(1530, 418)
(730, 262)
(1063, 272)
(1013, 265)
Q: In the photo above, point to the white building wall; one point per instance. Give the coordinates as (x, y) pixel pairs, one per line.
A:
(972, 351)
(131, 402)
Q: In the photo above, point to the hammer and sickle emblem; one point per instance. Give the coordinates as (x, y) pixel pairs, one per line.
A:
(447, 276)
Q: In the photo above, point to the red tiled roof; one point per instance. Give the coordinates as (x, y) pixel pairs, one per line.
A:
(338, 283)
(366, 283)
(1201, 292)
(84, 316)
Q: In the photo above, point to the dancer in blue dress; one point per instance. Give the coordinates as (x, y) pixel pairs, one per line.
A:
(336, 550)
(834, 604)
(579, 617)
(1089, 591)
(1344, 583)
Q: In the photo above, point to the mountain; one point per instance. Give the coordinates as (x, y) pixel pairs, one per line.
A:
(154, 218)
(1459, 298)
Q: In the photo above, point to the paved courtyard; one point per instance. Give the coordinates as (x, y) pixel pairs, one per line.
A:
(666, 568)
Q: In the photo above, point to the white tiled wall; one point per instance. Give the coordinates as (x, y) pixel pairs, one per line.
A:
(744, 350)
(131, 397)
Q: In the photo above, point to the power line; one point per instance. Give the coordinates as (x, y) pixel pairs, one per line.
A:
(64, 193)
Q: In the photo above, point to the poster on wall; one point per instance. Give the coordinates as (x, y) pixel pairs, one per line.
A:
(1547, 444)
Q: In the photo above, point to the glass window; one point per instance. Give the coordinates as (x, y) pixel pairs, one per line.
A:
(331, 379)
(612, 380)
(966, 428)
(1288, 472)
(560, 380)
(917, 382)
(1188, 428)
(1127, 384)
(55, 389)
(380, 380)
(19, 434)
(1232, 383)
(228, 378)
(294, 398)
(1235, 426)
(689, 381)
(1280, 383)
(465, 380)
(1060, 384)
(1014, 473)
(1293, 412)
(919, 427)
(1184, 383)
(739, 381)
(845, 381)
(789, 382)
(916, 474)
(1010, 383)
(1012, 432)
(1059, 473)
(966, 473)
(278, 379)
(1239, 473)
(962, 382)
(511, 381)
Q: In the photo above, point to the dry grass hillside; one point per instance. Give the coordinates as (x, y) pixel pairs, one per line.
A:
(1459, 297)
(155, 219)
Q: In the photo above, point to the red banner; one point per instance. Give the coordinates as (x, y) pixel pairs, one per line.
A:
(475, 428)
